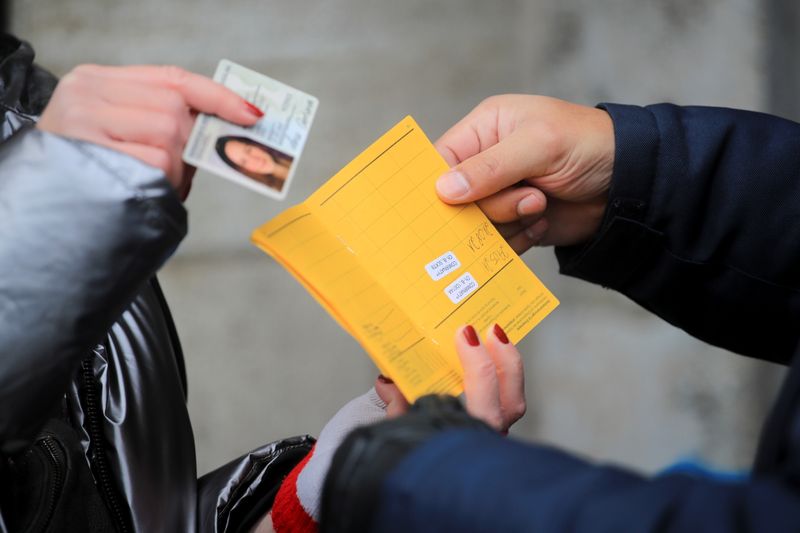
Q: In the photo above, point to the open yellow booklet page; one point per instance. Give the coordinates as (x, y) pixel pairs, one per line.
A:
(400, 270)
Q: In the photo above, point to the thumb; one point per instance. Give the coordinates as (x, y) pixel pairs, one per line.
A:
(508, 162)
(396, 403)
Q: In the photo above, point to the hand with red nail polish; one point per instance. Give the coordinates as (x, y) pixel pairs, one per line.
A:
(146, 112)
(494, 381)
(540, 168)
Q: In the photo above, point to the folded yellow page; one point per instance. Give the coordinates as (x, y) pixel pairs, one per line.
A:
(400, 270)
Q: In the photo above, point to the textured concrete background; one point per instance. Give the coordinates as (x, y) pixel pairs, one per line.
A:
(264, 361)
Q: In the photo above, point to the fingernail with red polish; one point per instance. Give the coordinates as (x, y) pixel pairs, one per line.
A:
(500, 334)
(254, 110)
(384, 379)
(472, 336)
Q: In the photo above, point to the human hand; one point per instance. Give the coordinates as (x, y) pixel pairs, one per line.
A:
(144, 111)
(396, 403)
(495, 396)
(540, 168)
(494, 379)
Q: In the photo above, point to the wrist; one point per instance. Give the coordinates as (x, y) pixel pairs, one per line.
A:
(605, 142)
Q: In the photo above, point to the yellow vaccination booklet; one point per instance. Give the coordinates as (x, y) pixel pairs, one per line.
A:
(400, 270)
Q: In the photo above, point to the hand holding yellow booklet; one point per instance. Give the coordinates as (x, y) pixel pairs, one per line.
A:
(400, 270)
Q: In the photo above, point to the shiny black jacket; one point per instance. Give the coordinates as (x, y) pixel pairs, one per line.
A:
(89, 357)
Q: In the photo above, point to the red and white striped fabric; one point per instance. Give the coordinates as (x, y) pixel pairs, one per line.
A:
(296, 506)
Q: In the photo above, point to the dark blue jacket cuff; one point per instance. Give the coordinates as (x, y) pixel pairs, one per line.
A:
(623, 242)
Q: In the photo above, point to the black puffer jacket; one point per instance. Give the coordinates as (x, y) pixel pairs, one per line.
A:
(94, 430)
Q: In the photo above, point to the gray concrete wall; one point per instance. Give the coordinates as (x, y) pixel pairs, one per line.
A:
(264, 361)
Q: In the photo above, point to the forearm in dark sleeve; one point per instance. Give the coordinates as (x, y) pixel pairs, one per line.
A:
(703, 224)
(469, 481)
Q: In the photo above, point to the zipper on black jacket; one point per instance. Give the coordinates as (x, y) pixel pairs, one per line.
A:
(56, 458)
(100, 466)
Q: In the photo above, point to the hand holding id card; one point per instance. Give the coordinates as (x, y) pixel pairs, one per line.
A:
(263, 157)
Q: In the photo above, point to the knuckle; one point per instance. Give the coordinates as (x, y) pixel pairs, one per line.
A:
(173, 129)
(485, 370)
(75, 114)
(499, 210)
(169, 129)
(78, 81)
(491, 102)
(517, 410)
(549, 140)
(84, 70)
(70, 84)
(514, 365)
(176, 104)
(174, 75)
(535, 100)
(495, 420)
(162, 160)
(488, 167)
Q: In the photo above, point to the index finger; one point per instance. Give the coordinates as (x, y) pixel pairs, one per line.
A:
(501, 165)
(469, 136)
(510, 374)
(481, 386)
(199, 92)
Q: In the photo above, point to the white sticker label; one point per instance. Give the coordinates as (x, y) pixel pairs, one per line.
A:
(461, 288)
(442, 266)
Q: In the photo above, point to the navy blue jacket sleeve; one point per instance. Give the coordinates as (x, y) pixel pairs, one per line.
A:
(703, 224)
(467, 481)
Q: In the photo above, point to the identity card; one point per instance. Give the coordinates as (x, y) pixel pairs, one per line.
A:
(264, 156)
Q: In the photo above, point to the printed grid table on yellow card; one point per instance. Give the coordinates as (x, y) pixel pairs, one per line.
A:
(400, 270)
